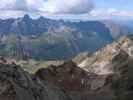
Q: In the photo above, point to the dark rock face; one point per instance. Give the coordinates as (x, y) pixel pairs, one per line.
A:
(77, 83)
(15, 84)
(67, 76)
(122, 82)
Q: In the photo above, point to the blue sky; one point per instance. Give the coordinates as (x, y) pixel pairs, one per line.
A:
(68, 9)
(115, 4)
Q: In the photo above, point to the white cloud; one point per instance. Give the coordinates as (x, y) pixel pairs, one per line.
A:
(21, 4)
(17, 8)
(11, 14)
(67, 6)
(49, 6)
(111, 13)
(69, 9)
(6, 4)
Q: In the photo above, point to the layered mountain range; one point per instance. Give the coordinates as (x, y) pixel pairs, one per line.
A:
(104, 75)
(48, 39)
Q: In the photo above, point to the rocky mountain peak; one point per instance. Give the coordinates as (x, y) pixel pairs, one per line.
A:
(26, 17)
(102, 61)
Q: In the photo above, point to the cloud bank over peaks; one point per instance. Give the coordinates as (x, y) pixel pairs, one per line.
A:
(48, 6)
(60, 9)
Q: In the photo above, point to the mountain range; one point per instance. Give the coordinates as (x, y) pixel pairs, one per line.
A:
(47, 39)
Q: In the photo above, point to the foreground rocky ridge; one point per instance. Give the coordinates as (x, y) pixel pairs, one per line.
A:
(104, 75)
(16, 84)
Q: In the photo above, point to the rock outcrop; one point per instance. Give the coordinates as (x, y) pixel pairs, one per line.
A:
(77, 83)
(16, 84)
